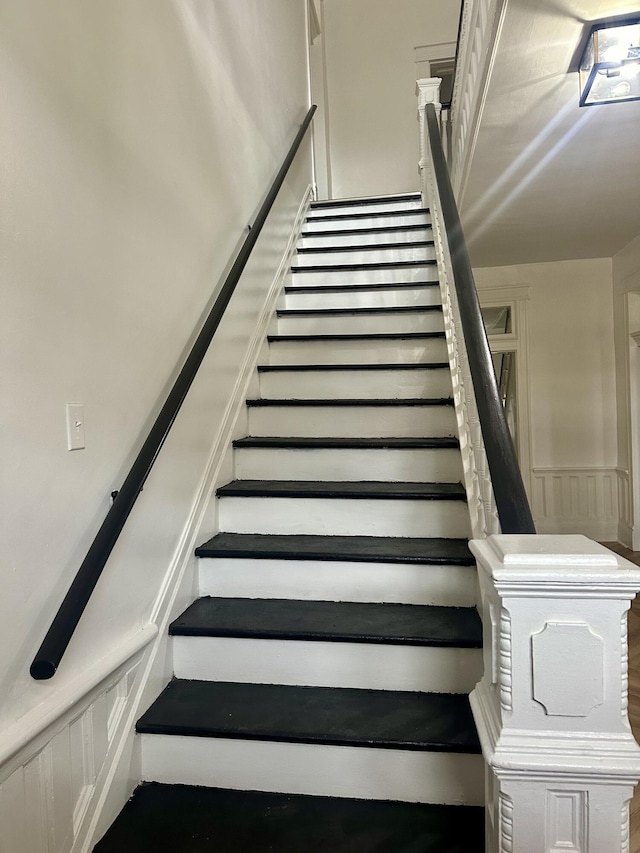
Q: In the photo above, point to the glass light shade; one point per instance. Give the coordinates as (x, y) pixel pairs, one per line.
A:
(610, 64)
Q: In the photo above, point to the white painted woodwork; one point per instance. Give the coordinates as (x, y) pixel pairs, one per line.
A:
(365, 256)
(337, 771)
(344, 384)
(364, 298)
(576, 500)
(329, 580)
(362, 351)
(377, 236)
(417, 466)
(372, 666)
(352, 421)
(344, 516)
(551, 709)
(414, 203)
(361, 324)
(393, 275)
(317, 226)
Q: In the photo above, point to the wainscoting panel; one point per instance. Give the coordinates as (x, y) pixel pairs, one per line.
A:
(576, 500)
(44, 801)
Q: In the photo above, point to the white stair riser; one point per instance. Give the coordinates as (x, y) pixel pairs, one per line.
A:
(367, 666)
(370, 238)
(352, 421)
(329, 580)
(344, 516)
(364, 351)
(427, 295)
(369, 207)
(366, 256)
(317, 225)
(410, 466)
(394, 275)
(345, 384)
(362, 324)
(340, 771)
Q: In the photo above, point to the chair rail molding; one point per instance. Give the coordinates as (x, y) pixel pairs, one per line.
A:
(480, 29)
(551, 709)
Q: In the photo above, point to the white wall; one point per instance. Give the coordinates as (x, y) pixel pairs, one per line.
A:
(139, 139)
(371, 80)
(572, 392)
(626, 304)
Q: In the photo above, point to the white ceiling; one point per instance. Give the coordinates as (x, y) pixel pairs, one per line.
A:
(549, 180)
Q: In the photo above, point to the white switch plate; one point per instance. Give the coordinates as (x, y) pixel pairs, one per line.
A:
(75, 426)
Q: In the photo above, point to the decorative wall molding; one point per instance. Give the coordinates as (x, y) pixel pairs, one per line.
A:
(59, 765)
(479, 35)
(576, 500)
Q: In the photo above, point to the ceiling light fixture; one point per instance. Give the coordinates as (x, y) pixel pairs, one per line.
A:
(610, 64)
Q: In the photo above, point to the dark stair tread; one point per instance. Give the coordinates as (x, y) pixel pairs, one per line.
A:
(365, 247)
(331, 621)
(305, 368)
(314, 442)
(392, 402)
(372, 489)
(378, 336)
(372, 265)
(185, 819)
(364, 200)
(371, 214)
(340, 288)
(350, 549)
(340, 716)
(381, 229)
(357, 312)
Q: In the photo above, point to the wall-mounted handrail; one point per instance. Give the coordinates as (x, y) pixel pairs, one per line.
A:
(66, 619)
(510, 496)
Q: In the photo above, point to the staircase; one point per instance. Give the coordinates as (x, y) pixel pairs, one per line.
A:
(321, 680)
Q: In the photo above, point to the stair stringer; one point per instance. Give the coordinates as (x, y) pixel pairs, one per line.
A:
(83, 727)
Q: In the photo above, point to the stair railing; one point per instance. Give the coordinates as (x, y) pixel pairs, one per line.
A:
(70, 611)
(552, 706)
(495, 491)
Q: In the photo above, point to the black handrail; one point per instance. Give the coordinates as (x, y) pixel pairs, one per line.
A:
(511, 499)
(59, 634)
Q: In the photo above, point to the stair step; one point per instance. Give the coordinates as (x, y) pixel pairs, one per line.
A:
(362, 266)
(364, 200)
(371, 549)
(305, 368)
(354, 622)
(376, 336)
(357, 321)
(365, 247)
(308, 443)
(400, 208)
(392, 402)
(358, 349)
(319, 715)
(382, 235)
(339, 568)
(172, 818)
(353, 459)
(341, 288)
(329, 644)
(385, 297)
(371, 490)
(373, 230)
(348, 220)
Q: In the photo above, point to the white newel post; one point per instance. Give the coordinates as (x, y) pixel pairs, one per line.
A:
(428, 92)
(551, 709)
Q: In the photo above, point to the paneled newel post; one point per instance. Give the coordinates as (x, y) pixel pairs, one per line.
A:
(428, 92)
(551, 710)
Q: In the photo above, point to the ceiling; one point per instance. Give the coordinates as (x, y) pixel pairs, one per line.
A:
(550, 180)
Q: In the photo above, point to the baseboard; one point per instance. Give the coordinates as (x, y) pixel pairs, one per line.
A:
(576, 500)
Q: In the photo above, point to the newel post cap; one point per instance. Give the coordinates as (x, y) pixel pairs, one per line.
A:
(544, 564)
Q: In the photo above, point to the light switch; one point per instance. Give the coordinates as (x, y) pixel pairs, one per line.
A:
(75, 426)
